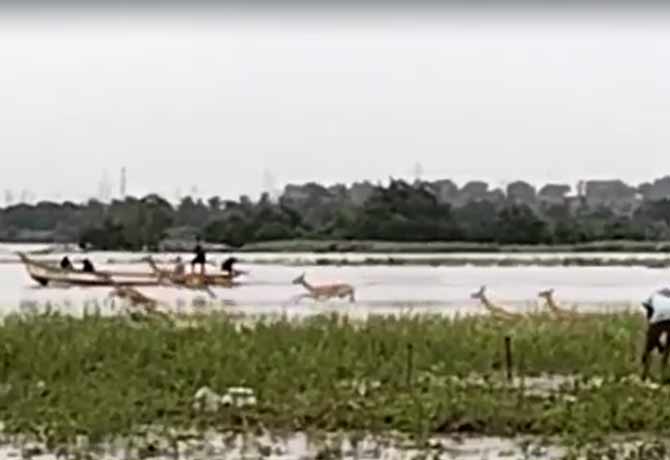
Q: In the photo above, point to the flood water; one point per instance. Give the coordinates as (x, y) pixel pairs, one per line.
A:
(379, 289)
(299, 446)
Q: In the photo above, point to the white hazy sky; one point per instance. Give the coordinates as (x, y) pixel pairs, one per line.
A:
(214, 98)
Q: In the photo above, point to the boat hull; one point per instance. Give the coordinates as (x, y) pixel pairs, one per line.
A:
(46, 275)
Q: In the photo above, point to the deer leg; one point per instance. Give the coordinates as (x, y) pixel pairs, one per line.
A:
(299, 297)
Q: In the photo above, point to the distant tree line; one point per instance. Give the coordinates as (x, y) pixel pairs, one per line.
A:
(400, 211)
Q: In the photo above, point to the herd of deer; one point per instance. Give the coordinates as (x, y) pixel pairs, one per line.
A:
(547, 295)
(344, 290)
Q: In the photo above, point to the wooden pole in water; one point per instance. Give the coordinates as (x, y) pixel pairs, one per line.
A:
(410, 364)
(508, 357)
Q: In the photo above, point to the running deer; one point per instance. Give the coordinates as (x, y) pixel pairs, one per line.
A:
(325, 291)
(548, 296)
(492, 308)
(133, 296)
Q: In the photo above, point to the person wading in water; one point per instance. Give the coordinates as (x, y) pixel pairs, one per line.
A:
(200, 257)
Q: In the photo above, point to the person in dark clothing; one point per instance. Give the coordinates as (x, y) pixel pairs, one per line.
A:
(87, 266)
(227, 265)
(200, 257)
(65, 263)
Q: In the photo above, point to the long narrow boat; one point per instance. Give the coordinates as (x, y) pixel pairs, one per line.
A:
(46, 274)
(194, 279)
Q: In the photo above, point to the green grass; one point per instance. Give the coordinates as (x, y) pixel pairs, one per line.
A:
(106, 376)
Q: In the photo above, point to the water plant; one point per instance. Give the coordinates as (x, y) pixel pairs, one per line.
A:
(63, 377)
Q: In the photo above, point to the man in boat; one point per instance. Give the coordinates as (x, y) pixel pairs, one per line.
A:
(87, 266)
(200, 257)
(228, 267)
(65, 263)
(179, 268)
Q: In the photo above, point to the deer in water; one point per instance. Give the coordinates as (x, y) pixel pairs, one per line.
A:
(326, 291)
(492, 308)
(133, 296)
(548, 296)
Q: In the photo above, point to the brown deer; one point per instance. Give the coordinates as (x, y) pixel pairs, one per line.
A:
(492, 308)
(326, 291)
(133, 296)
(548, 296)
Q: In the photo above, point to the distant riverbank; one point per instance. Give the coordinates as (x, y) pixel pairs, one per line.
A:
(381, 247)
(326, 246)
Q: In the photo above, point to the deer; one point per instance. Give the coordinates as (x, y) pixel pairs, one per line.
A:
(492, 308)
(326, 291)
(133, 296)
(548, 296)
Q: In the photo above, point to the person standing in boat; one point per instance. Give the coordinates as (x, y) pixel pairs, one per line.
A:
(200, 257)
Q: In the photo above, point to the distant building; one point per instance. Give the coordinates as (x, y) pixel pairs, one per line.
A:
(553, 194)
(614, 194)
(658, 190)
(521, 192)
(473, 191)
(445, 191)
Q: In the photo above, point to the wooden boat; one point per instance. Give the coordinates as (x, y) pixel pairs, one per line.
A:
(194, 279)
(46, 274)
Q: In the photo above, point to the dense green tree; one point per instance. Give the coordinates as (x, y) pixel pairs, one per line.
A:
(400, 211)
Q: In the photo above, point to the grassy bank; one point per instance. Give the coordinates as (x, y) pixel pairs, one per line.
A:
(62, 376)
(326, 246)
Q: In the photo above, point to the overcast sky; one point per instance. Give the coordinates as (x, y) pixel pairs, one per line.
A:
(213, 98)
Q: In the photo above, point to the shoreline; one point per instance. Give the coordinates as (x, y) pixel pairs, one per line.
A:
(398, 259)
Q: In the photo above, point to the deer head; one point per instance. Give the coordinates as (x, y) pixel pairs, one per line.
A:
(300, 279)
(479, 294)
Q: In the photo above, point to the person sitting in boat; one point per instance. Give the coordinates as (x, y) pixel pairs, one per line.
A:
(179, 269)
(65, 263)
(228, 265)
(200, 257)
(87, 266)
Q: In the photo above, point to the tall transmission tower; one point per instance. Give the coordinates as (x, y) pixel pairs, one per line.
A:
(123, 183)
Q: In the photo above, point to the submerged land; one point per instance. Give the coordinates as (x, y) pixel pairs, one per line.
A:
(573, 381)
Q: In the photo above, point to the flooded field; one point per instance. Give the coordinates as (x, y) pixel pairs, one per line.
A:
(379, 288)
(301, 446)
